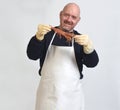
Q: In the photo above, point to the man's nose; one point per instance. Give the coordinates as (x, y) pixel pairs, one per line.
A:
(69, 18)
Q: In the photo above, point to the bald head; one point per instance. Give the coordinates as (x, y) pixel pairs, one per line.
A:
(72, 6)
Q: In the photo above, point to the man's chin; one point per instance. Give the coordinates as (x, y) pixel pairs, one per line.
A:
(67, 29)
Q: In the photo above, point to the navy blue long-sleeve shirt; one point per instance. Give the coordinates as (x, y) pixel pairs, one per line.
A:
(37, 50)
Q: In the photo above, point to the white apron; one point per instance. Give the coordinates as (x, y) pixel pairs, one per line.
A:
(60, 84)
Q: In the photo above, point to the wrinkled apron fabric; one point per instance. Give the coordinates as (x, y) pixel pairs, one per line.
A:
(60, 86)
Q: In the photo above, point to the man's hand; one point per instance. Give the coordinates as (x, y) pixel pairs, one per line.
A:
(42, 30)
(86, 42)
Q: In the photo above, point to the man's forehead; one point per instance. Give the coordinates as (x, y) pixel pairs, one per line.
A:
(71, 11)
(72, 6)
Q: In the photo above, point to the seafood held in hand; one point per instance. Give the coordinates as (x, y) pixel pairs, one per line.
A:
(62, 33)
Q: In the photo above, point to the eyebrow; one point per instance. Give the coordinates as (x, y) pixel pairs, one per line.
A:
(73, 16)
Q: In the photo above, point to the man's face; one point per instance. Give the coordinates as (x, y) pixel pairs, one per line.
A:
(69, 18)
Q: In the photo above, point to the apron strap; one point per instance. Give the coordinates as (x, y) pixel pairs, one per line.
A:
(50, 45)
(52, 40)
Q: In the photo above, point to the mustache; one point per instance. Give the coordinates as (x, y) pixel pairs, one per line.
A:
(67, 22)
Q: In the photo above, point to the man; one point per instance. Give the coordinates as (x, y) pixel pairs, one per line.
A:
(61, 62)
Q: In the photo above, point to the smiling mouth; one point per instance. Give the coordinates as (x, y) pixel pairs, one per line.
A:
(68, 23)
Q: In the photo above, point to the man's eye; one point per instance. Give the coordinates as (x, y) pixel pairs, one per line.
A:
(74, 17)
(66, 15)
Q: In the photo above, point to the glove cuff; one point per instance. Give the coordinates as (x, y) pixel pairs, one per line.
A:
(39, 36)
(88, 48)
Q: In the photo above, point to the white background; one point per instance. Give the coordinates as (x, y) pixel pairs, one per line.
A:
(19, 78)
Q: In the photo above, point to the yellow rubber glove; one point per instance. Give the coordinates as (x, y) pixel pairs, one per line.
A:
(86, 42)
(42, 30)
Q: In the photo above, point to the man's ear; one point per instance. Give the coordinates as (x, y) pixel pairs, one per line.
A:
(60, 14)
(79, 19)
